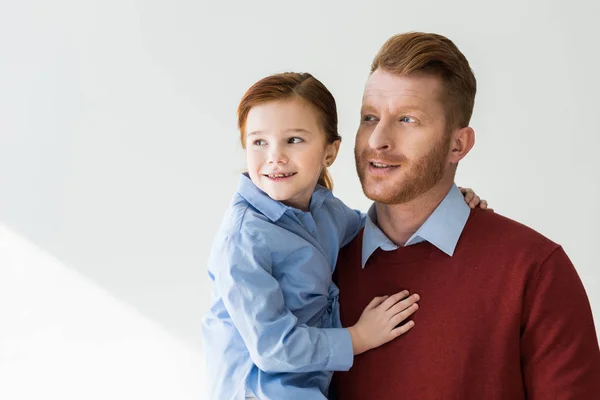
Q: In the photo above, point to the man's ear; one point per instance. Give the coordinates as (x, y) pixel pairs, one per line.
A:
(461, 143)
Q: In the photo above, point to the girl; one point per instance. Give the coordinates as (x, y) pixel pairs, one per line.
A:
(273, 330)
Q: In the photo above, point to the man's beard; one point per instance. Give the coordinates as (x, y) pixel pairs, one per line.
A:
(420, 176)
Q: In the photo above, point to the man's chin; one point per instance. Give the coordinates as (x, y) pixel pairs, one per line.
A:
(382, 195)
(391, 193)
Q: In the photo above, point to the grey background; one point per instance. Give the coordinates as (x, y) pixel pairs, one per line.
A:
(119, 150)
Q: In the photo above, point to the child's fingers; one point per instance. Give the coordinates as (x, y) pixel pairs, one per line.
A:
(401, 330)
(469, 194)
(404, 304)
(483, 204)
(401, 316)
(375, 302)
(393, 299)
(474, 201)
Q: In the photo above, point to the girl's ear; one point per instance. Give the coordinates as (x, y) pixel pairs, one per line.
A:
(331, 152)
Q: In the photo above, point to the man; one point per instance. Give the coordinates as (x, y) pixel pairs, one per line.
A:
(503, 313)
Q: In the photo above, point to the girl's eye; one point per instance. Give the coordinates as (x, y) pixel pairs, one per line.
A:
(259, 142)
(295, 140)
(408, 120)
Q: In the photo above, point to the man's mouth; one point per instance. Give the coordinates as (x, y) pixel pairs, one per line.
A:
(377, 168)
(379, 165)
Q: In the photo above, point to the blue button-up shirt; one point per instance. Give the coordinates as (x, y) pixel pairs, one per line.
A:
(274, 326)
(442, 228)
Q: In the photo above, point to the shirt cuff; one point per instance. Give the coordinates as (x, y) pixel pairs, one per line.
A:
(341, 353)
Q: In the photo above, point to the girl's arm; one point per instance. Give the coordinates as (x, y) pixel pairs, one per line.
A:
(271, 333)
(255, 303)
(351, 222)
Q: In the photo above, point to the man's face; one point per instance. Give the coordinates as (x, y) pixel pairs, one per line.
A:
(402, 146)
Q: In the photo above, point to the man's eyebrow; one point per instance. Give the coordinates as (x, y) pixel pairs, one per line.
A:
(409, 108)
(367, 108)
(396, 110)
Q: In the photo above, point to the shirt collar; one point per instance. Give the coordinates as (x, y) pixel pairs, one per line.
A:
(274, 209)
(442, 229)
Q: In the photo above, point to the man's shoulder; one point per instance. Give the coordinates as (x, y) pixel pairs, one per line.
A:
(499, 230)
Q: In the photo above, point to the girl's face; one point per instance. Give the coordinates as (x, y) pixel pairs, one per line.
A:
(286, 150)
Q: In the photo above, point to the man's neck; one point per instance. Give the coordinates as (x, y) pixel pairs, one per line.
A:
(400, 221)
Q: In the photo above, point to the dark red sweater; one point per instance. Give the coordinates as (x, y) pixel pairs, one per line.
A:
(506, 317)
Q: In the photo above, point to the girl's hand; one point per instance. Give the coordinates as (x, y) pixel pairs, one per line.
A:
(379, 321)
(473, 200)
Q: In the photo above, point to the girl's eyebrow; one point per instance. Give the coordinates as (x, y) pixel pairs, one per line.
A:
(297, 130)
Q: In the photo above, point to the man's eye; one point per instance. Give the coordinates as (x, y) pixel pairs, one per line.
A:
(295, 140)
(368, 118)
(408, 120)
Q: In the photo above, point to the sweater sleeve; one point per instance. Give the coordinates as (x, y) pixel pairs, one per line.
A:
(560, 357)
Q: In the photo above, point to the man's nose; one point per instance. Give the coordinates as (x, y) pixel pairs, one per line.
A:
(381, 138)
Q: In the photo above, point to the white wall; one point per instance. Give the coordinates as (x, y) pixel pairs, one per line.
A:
(119, 153)
(63, 337)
